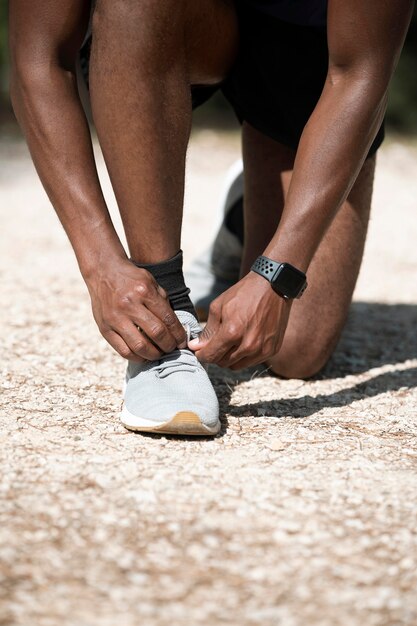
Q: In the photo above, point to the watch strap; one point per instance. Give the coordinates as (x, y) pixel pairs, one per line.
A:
(265, 267)
(272, 271)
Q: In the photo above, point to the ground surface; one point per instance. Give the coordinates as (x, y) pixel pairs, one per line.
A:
(301, 512)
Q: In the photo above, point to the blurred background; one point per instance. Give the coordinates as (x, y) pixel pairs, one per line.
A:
(402, 110)
(301, 512)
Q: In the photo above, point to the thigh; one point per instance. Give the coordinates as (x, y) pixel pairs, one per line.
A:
(204, 34)
(211, 40)
(279, 75)
(317, 319)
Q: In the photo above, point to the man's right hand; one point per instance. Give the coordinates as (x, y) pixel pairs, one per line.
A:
(133, 312)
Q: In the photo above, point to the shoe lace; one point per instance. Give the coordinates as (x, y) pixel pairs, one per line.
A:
(177, 361)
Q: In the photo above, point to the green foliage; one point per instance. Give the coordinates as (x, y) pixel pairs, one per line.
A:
(402, 108)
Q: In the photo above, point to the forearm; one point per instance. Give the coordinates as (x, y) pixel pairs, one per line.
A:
(45, 37)
(50, 113)
(332, 150)
(364, 42)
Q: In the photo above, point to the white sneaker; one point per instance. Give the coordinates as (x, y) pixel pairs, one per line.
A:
(173, 395)
(218, 268)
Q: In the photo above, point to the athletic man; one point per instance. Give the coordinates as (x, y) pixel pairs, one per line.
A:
(311, 105)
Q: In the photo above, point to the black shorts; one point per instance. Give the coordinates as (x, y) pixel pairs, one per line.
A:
(278, 77)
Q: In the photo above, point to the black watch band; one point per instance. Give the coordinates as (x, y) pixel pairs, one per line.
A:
(286, 280)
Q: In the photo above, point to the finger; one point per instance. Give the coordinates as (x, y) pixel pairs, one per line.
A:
(215, 349)
(161, 308)
(250, 361)
(155, 330)
(203, 338)
(241, 354)
(250, 355)
(162, 292)
(121, 346)
(239, 359)
(137, 342)
(210, 330)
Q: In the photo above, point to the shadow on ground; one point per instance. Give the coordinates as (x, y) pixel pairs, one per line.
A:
(375, 335)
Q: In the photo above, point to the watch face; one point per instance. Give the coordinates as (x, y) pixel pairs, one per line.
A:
(288, 281)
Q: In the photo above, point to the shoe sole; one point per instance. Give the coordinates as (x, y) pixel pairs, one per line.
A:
(183, 423)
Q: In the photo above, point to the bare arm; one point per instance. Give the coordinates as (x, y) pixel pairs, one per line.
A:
(45, 36)
(365, 40)
(44, 40)
(246, 324)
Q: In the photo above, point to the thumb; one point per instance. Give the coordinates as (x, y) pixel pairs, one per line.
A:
(203, 338)
(210, 328)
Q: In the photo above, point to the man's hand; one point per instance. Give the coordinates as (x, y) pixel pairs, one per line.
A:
(133, 312)
(246, 325)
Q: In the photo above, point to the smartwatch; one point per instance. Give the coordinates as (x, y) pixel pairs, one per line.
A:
(286, 280)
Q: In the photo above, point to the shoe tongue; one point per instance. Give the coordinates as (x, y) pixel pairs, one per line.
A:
(189, 322)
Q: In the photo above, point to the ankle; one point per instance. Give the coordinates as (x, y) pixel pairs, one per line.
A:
(169, 275)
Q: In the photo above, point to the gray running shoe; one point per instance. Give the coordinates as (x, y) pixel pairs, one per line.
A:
(217, 269)
(173, 395)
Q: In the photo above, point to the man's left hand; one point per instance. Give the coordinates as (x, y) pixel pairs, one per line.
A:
(246, 325)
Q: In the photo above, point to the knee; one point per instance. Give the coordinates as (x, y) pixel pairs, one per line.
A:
(131, 13)
(146, 27)
(300, 359)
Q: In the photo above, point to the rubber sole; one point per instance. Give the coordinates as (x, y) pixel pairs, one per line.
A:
(182, 423)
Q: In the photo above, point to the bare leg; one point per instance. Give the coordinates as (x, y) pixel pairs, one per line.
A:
(317, 319)
(145, 55)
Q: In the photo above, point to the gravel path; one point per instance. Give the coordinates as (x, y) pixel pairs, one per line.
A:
(302, 512)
